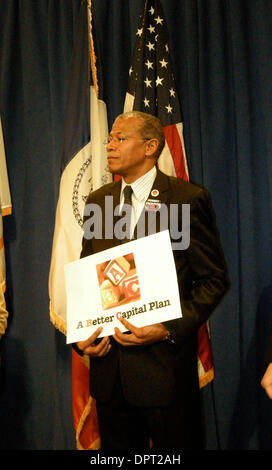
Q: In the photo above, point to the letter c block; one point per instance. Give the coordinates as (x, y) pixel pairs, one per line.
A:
(130, 284)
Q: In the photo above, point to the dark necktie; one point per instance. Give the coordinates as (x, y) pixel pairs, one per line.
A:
(127, 191)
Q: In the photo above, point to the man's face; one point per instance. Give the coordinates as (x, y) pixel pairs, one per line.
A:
(127, 150)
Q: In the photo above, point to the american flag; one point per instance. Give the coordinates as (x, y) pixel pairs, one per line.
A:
(152, 89)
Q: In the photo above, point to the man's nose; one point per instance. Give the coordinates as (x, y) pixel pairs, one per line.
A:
(111, 145)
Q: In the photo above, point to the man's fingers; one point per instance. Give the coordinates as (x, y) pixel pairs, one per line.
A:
(140, 335)
(103, 348)
(130, 327)
(124, 339)
(90, 348)
(84, 344)
(100, 349)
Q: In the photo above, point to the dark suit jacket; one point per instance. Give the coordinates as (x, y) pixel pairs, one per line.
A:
(151, 375)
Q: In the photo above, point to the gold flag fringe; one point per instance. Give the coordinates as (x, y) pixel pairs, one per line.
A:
(92, 52)
(57, 321)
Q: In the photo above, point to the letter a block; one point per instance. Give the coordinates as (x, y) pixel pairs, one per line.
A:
(117, 269)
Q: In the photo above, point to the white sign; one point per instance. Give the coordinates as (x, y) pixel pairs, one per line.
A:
(136, 280)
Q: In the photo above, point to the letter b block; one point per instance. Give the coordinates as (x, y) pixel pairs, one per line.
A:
(109, 295)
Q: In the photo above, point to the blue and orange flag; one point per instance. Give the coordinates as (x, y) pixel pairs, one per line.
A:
(83, 168)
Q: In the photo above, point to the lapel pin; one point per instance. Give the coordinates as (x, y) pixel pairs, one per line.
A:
(153, 205)
(154, 192)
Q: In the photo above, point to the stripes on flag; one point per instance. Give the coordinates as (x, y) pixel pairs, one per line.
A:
(152, 89)
(84, 168)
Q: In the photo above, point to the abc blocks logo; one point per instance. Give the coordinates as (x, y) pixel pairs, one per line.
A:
(118, 281)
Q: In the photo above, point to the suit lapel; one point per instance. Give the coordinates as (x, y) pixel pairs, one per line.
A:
(115, 194)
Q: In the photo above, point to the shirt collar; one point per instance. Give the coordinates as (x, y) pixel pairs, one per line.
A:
(142, 186)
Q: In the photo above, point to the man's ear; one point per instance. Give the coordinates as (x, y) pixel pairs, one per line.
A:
(152, 146)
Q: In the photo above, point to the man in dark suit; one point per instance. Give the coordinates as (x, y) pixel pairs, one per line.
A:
(146, 382)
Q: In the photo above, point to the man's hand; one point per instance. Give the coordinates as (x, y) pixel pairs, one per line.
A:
(140, 336)
(96, 350)
(267, 380)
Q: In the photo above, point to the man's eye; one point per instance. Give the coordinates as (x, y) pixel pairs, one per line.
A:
(116, 139)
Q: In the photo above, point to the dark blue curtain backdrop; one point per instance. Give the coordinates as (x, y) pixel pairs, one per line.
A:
(222, 59)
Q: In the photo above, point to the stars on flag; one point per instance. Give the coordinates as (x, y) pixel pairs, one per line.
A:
(159, 20)
(150, 46)
(149, 64)
(151, 79)
(159, 80)
(163, 63)
(169, 108)
(147, 82)
(146, 102)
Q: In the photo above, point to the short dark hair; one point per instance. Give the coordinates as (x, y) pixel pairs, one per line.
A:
(152, 127)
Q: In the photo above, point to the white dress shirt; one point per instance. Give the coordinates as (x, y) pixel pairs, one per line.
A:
(141, 190)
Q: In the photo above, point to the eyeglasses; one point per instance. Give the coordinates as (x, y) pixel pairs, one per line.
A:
(119, 140)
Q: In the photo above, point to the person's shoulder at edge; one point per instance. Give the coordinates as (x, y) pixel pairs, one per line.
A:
(102, 191)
